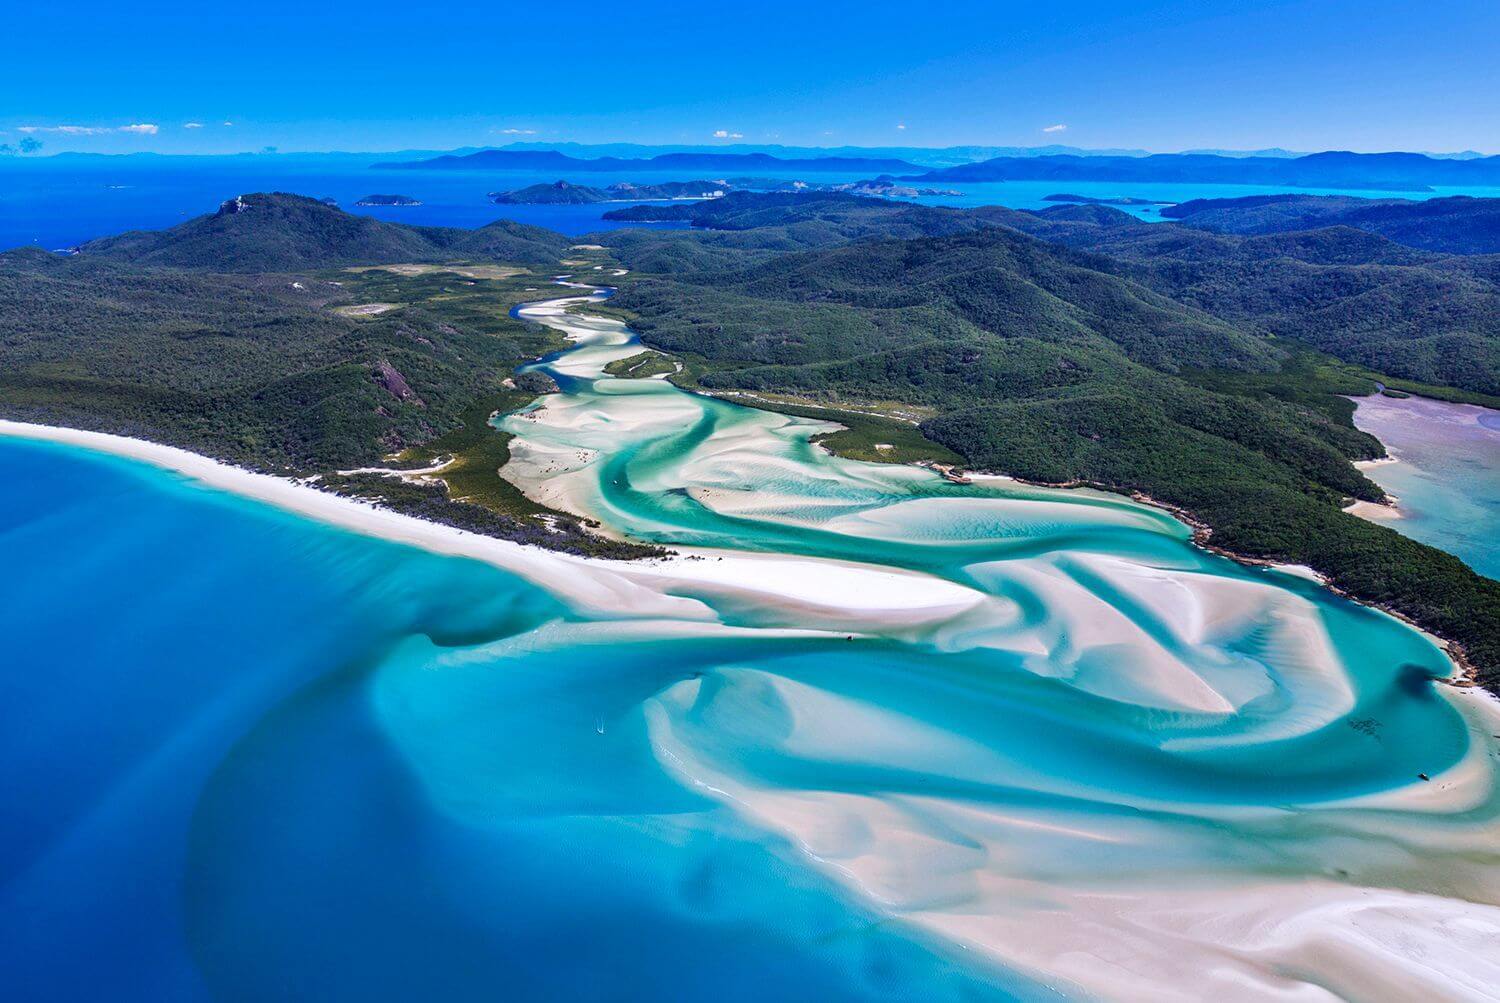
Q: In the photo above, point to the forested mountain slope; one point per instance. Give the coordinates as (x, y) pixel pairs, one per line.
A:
(1457, 225)
(276, 231)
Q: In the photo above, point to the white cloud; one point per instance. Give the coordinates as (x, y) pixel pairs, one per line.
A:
(142, 129)
(228, 123)
(726, 134)
(1055, 128)
(192, 125)
(901, 125)
(517, 132)
(66, 130)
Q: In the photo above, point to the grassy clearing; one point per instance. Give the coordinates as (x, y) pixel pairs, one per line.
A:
(879, 440)
(359, 310)
(874, 438)
(468, 271)
(642, 366)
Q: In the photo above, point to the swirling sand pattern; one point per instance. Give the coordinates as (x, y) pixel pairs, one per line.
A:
(877, 736)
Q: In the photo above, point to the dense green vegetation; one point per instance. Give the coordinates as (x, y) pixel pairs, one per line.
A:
(255, 369)
(1418, 316)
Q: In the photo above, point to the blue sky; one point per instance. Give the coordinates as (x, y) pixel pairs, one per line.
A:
(174, 77)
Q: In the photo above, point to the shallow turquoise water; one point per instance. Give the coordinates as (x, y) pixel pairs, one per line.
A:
(252, 756)
(1447, 478)
(201, 741)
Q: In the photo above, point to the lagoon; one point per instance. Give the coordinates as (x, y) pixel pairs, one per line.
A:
(870, 735)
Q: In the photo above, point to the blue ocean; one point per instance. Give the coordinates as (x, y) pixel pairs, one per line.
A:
(61, 202)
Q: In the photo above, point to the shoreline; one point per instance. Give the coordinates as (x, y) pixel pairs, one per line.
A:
(600, 587)
(604, 588)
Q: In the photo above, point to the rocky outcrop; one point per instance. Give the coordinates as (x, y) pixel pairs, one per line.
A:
(389, 377)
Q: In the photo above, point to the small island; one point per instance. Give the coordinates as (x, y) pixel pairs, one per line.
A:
(388, 200)
(885, 187)
(1102, 200)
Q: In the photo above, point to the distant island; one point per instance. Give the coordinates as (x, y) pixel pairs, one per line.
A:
(887, 188)
(565, 193)
(884, 186)
(1403, 172)
(1101, 200)
(388, 200)
(560, 163)
(1350, 171)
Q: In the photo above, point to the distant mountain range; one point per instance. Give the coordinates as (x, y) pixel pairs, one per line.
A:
(943, 156)
(1457, 225)
(551, 160)
(1350, 171)
(928, 156)
(914, 156)
(1374, 171)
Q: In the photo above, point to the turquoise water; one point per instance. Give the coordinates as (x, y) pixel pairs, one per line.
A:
(1447, 476)
(876, 736)
(206, 744)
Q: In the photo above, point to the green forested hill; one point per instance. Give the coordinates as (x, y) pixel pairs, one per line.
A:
(1415, 314)
(308, 372)
(1459, 224)
(244, 367)
(281, 232)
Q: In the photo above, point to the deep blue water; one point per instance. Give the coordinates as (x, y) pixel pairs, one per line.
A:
(60, 204)
(211, 722)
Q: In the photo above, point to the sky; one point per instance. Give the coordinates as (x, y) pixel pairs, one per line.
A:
(1161, 75)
